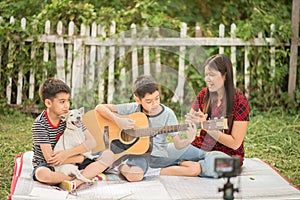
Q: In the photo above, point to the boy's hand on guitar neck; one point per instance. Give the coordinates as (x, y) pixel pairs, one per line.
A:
(124, 123)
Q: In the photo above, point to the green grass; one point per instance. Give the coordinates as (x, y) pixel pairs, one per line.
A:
(275, 138)
(272, 136)
(15, 138)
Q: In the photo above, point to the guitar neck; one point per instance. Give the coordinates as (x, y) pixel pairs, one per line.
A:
(210, 125)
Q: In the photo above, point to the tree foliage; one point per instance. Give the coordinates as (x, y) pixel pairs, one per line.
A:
(251, 17)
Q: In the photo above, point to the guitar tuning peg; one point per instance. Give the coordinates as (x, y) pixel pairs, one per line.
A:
(222, 118)
(215, 118)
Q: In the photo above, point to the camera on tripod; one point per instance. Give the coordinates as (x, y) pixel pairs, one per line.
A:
(228, 167)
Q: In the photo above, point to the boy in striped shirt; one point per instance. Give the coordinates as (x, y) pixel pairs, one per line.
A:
(46, 130)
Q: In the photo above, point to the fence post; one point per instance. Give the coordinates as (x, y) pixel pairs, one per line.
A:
(198, 32)
(86, 58)
(134, 55)
(179, 92)
(78, 64)
(71, 29)
(272, 51)
(294, 49)
(10, 65)
(146, 53)
(102, 63)
(92, 60)
(233, 53)
(246, 71)
(20, 73)
(121, 64)
(46, 45)
(221, 35)
(259, 63)
(157, 55)
(111, 66)
(60, 53)
(32, 71)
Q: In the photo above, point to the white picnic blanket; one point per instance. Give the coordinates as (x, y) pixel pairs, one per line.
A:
(257, 181)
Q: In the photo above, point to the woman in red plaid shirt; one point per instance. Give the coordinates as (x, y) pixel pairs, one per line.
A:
(218, 99)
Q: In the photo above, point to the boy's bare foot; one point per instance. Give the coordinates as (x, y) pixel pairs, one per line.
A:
(132, 173)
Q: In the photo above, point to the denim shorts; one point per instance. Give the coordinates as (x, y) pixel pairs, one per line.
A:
(140, 161)
(43, 164)
(206, 159)
(175, 156)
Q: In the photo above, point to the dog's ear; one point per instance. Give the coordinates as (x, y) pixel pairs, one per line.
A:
(63, 117)
(81, 110)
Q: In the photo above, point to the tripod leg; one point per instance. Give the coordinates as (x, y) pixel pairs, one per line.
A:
(228, 190)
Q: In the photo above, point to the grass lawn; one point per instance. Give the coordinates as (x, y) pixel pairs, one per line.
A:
(272, 136)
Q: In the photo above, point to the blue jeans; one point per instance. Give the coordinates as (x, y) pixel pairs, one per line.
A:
(206, 159)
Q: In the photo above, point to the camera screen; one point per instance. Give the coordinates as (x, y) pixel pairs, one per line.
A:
(228, 167)
(224, 165)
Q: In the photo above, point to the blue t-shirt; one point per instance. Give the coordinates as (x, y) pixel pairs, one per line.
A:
(165, 118)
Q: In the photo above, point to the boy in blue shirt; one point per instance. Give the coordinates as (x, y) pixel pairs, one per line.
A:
(147, 101)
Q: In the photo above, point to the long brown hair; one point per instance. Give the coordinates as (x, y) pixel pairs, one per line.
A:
(223, 64)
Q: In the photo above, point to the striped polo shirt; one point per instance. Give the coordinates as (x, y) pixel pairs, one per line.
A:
(44, 132)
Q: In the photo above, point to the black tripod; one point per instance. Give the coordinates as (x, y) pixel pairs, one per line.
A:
(228, 190)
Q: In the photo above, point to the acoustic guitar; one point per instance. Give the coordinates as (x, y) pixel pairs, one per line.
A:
(134, 141)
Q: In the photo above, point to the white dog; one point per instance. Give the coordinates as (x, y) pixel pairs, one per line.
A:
(72, 137)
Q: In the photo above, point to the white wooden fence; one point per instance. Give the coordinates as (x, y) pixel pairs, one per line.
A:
(81, 58)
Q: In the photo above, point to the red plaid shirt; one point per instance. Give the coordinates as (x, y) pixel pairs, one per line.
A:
(240, 113)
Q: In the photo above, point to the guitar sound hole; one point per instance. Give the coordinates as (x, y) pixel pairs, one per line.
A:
(126, 138)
